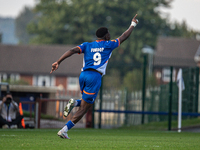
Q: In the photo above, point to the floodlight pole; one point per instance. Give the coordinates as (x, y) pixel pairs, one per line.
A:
(147, 51)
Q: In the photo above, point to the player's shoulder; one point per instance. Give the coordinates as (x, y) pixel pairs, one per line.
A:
(84, 43)
(89, 43)
(115, 40)
(111, 42)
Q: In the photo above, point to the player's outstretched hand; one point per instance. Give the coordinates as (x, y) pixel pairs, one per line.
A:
(135, 20)
(54, 67)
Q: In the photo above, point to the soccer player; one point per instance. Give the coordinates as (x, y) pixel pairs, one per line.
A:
(96, 56)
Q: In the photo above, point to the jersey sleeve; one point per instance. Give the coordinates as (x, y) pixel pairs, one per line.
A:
(114, 43)
(82, 47)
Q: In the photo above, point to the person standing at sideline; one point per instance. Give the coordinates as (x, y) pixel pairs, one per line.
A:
(96, 56)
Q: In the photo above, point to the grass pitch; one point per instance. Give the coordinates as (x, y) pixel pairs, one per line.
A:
(97, 139)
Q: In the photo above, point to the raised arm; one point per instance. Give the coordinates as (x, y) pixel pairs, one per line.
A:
(67, 54)
(128, 32)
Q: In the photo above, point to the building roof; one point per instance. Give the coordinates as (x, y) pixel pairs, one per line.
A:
(177, 52)
(33, 59)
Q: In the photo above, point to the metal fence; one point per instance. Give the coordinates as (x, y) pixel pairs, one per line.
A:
(49, 114)
(118, 108)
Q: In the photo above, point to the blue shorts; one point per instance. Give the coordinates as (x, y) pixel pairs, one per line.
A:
(90, 83)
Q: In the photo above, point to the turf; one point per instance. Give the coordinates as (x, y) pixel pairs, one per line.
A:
(94, 139)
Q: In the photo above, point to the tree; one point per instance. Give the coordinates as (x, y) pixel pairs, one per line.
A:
(112, 81)
(21, 23)
(74, 22)
(178, 30)
(133, 80)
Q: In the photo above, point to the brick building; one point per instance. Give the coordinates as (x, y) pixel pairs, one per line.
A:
(176, 52)
(32, 64)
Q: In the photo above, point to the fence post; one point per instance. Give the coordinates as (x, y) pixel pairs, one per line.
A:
(170, 98)
(36, 114)
(197, 89)
(100, 104)
(93, 115)
(126, 106)
(144, 86)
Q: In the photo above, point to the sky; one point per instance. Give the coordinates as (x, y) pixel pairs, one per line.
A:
(181, 10)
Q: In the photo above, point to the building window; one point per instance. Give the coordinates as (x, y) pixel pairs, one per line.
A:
(14, 77)
(11, 77)
(3, 77)
(166, 75)
(73, 83)
(43, 81)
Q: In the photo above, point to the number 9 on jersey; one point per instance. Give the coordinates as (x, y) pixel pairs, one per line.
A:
(97, 58)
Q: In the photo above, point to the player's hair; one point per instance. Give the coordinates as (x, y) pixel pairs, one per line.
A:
(101, 32)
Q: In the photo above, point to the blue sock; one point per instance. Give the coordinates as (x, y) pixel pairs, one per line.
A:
(78, 102)
(69, 124)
